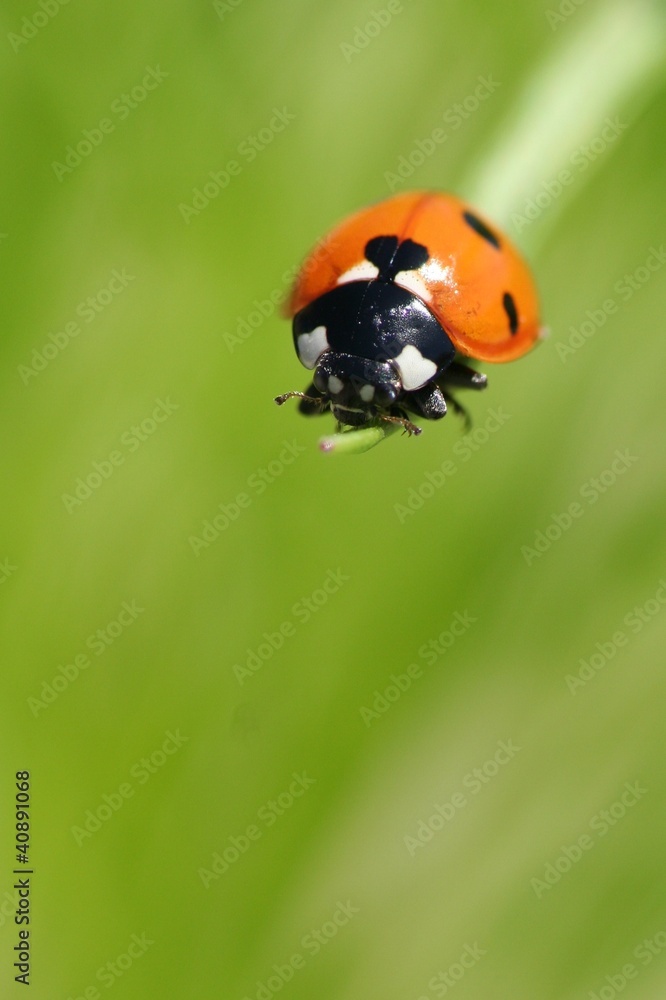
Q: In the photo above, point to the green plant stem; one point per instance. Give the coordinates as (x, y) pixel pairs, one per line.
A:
(355, 442)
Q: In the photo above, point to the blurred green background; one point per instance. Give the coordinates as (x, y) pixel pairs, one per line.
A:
(301, 725)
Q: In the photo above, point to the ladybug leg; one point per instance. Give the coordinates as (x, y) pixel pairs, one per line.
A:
(428, 401)
(397, 416)
(459, 411)
(462, 377)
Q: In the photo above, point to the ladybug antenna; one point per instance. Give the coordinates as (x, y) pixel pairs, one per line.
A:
(319, 400)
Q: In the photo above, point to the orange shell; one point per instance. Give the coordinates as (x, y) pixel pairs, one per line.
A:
(466, 275)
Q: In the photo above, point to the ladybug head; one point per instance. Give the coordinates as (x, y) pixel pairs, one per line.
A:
(356, 388)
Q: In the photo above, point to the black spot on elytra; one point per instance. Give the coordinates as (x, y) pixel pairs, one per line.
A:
(481, 228)
(511, 311)
(390, 256)
(380, 251)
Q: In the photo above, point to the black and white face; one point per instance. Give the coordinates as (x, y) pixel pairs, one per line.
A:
(370, 341)
(370, 338)
(357, 388)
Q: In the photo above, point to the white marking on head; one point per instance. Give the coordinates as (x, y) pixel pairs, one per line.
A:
(311, 346)
(413, 282)
(415, 370)
(335, 384)
(367, 392)
(360, 272)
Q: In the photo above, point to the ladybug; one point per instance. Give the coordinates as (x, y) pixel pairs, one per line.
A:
(387, 307)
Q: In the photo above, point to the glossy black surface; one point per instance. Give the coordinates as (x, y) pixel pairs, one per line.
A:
(376, 320)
